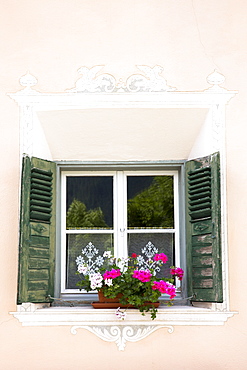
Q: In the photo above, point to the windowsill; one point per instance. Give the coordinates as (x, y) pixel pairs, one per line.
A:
(104, 324)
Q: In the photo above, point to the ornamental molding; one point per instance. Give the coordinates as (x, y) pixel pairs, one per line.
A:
(104, 325)
(121, 334)
(94, 81)
(95, 90)
(149, 80)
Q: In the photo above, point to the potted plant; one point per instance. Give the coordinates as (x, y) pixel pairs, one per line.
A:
(122, 280)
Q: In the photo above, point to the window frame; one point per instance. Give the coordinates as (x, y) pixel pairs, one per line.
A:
(215, 98)
(118, 170)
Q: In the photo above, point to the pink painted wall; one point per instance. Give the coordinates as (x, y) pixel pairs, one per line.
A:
(190, 39)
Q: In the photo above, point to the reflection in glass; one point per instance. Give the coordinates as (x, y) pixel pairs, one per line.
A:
(89, 202)
(150, 202)
(146, 245)
(87, 247)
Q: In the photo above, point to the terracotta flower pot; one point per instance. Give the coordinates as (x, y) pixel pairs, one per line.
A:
(105, 302)
(102, 298)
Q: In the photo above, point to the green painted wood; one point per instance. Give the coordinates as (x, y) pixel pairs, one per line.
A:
(203, 225)
(37, 231)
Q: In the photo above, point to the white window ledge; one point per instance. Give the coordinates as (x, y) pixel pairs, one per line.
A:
(106, 326)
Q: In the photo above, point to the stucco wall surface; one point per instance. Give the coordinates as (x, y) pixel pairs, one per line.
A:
(189, 38)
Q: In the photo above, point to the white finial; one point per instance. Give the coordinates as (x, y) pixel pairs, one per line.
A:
(28, 81)
(216, 79)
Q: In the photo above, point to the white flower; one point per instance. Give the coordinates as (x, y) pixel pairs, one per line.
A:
(108, 282)
(107, 254)
(121, 315)
(82, 269)
(122, 264)
(96, 280)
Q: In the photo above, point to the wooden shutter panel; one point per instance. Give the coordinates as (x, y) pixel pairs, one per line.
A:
(203, 229)
(37, 231)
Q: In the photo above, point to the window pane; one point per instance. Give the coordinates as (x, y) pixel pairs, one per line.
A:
(150, 202)
(146, 245)
(89, 202)
(83, 248)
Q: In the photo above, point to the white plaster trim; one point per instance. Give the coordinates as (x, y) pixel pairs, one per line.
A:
(146, 90)
(101, 90)
(103, 322)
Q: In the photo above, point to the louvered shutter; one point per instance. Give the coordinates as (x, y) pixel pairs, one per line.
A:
(37, 231)
(203, 229)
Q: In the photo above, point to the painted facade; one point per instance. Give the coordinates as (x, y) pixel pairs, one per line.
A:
(190, 40)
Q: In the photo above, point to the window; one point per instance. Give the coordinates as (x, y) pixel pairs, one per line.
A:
(122, 211)
(114, 225)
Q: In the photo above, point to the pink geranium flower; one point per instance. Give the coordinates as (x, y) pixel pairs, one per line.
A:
(161, 257)
(142, 275)
(111, 274)
(165, 287)
(177, 271)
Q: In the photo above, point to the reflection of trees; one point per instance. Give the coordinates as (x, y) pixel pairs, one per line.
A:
(79, 216)
(153, 207)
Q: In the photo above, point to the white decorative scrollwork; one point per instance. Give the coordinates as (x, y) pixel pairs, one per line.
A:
(150, 81)
(90, 83)
(149, 251)
(27, 129)
(93, 262)
(121, 334)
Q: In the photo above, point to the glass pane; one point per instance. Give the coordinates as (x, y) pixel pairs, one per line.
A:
(89, 202)
(85, 248)
(150, 202)
(146, 245)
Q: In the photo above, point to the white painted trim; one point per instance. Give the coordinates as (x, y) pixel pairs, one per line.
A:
(90, 92)
(103, 322)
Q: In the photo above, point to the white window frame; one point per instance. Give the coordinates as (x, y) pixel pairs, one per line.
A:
(103, 324)
(119, 230)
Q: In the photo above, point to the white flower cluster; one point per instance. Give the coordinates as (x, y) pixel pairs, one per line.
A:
(107, 254)
(96, 280)
(82, 269)
(121, 315)
(108, 282)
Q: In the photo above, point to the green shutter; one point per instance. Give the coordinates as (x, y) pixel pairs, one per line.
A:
(37, 231)
(203, 229)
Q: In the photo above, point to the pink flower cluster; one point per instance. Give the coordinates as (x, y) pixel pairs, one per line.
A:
(165, 287)
(111, 274)
(177, 271)
(142, 275)
(161, 257)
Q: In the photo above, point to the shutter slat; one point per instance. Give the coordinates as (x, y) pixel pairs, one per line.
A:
(41, 191)
(37, 231)
(203, 219)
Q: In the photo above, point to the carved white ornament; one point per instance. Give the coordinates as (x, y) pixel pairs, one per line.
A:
(150, 81)
(216, 79)
(28, 81)
(121, 334)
